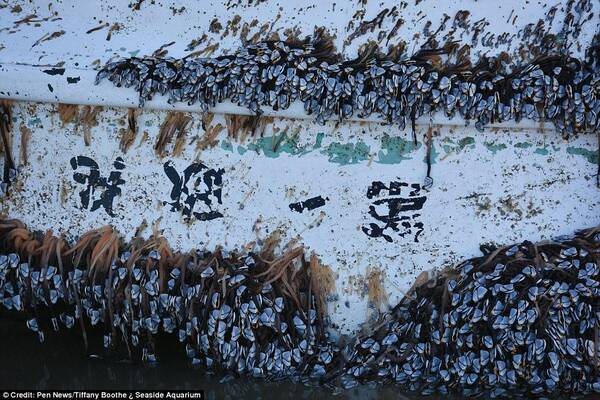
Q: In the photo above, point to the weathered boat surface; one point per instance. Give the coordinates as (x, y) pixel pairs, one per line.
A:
(318, 185)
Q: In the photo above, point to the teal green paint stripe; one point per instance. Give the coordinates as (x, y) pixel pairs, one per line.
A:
(590, 155)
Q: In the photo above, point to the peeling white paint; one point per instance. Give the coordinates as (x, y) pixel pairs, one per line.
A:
(158, 23)
(499, 186)
(505, 185)
(24, 56)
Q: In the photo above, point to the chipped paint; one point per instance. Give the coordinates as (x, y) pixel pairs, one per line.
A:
(488, 186)
(523, 145)
(434, 155)
(510, 193)
(451, 147)
(188, 34)
(276, 145)
(542, 151)
(590, 155)
(348, 153)
(396, 149)
(495, 147)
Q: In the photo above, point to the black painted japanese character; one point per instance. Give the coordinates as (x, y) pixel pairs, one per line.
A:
(388, 210)
(309, 204)
(199, 184)
(109, 187)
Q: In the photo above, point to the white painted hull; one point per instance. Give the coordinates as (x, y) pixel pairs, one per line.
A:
(500, 186)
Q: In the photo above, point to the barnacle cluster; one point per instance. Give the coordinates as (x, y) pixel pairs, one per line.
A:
(250, 315)
(9, 174)
(522, 319)
(555, 88)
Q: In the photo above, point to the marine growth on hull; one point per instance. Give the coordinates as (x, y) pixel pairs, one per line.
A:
(521, 319)
(247, 314)
(394, 87)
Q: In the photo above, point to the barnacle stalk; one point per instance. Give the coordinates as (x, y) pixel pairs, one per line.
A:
(394, 87)
(10, 172)
(243, 314)
(519, 320)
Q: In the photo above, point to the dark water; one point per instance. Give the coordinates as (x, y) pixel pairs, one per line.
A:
(60, 363)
